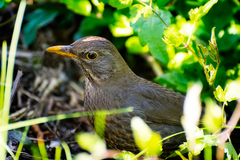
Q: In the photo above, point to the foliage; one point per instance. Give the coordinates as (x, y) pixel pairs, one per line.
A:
(178, 42)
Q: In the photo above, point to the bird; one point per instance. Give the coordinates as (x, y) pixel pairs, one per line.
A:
(111, 84)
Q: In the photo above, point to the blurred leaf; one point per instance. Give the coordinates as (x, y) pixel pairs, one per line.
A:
(3, 4)
(175, 79)
(173, 38)
(137, 10)
(230, 93)
(210, 140)
(126, 155)
(82, 7)
(99, 123)
(92, 25)
(197, 13)
(121, 27)
(150, 31)
(162, 3)
(133, 45)
(191, 114)
(219, 94)
(37, 19)
(120, 4)
(231, 152)
(213, 116)
(99, 5)
(84, 156)
(145, 138)
(92, 143)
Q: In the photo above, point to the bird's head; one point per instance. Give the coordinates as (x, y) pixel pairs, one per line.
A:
(96, 56)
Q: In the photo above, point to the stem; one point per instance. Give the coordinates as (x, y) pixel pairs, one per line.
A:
(153, 12)
(194, 24)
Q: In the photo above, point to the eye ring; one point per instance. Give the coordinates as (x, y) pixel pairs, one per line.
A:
(92, 55)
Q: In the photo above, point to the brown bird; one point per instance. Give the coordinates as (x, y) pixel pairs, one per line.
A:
(111, 84)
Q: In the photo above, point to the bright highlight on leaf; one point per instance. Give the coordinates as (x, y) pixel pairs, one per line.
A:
(145, 138)
(213, 116)
(91, 143)
(230, 93)
(191, 114)
(125, 155)
(133, 45)
(121, 28)
(173, 38)
(82, 7)
(120, 4)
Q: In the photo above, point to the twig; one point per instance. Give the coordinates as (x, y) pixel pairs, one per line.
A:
(153, 12)
(16, 84)
(224, 136)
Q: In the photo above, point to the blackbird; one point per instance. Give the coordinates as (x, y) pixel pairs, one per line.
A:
(111, 84)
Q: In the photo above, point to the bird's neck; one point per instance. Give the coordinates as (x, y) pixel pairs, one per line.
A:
(119, 78)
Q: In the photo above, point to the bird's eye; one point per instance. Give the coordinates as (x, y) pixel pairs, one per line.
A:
(92, 55)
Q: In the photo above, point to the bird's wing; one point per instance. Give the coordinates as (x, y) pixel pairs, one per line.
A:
(158, 104)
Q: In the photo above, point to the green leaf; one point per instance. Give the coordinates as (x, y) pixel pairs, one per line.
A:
(197, 13)
(231, 152)
(133, 45)
(91, 142)
(36, 20)
(175, 79)
(173, 38)
(145, 138)
(232, 91)
(219, 94)
(82, 7)
(150, 31)
(213, 43)
(213, 116)
(121, 27)
(120, 4)
(125, 155)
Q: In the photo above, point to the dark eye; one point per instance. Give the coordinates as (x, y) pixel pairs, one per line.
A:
(92, 55)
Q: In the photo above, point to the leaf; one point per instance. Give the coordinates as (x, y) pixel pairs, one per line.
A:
(145, 138)
(230, 150)
(191, 114)
(173, 38)
(126, 155)
(197, 13)
(137, 10)
(36, 20)
(213, 116)
(219, 94)
(213, 43)
(150, 31)
(121, 27)
(82, 7)
(175, 79)
(120, 4)
(133, 45)
(91, 142)
(232, 91)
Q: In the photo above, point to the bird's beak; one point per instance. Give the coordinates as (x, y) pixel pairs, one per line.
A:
(61, 50)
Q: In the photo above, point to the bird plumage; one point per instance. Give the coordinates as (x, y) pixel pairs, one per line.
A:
(111, 84)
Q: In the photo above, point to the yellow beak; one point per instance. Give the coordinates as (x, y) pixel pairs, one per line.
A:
(61, 50)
